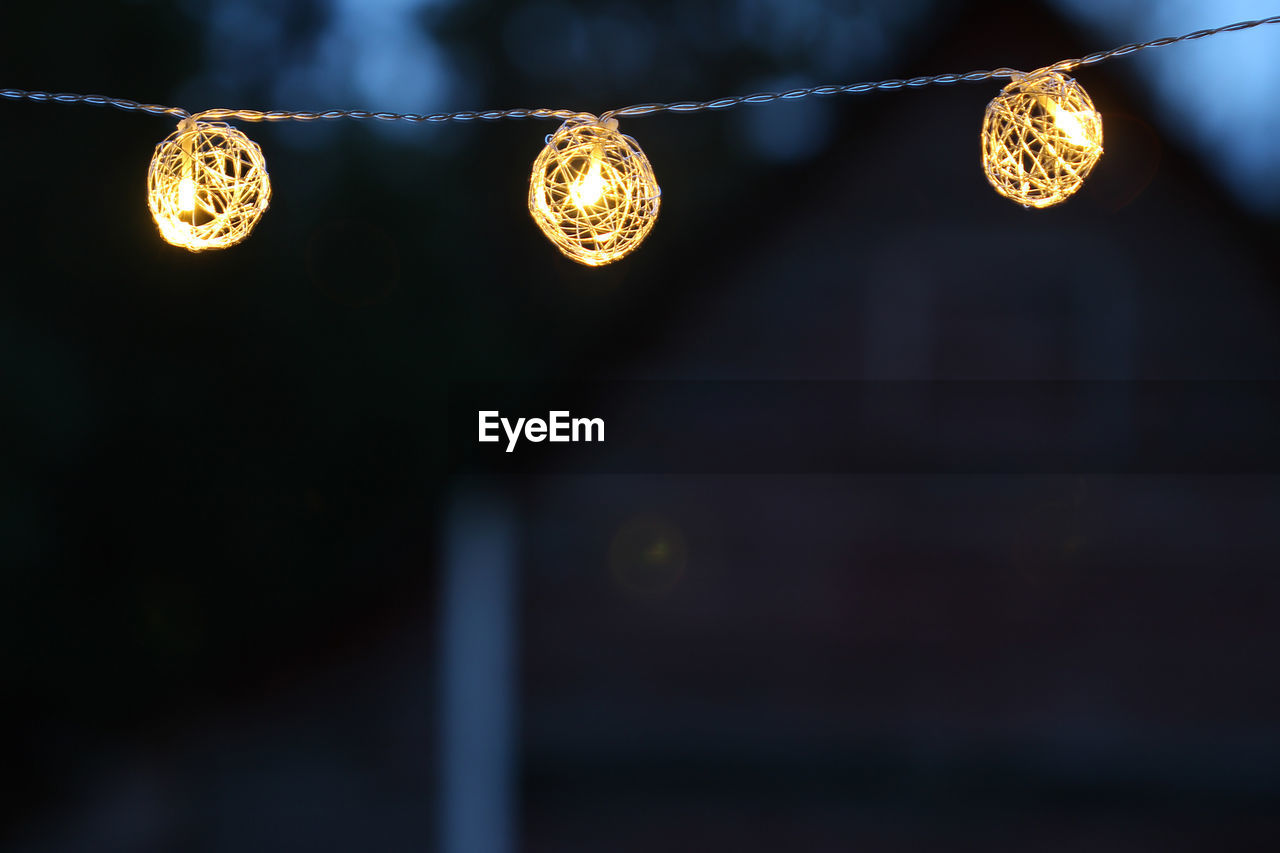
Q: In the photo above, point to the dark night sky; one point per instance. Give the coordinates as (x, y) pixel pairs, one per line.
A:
(224, 474)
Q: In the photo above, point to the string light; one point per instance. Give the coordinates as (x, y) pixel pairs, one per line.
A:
(593, 192)
(207, 186)
(1040, 138)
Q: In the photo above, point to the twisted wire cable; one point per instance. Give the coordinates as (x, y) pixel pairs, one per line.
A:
(220, 114)
(635, 109)
(99, 100)
(929, 80)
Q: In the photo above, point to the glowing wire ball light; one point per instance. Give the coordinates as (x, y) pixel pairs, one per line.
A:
(207, 186)
(1041, 137)
(593, 192)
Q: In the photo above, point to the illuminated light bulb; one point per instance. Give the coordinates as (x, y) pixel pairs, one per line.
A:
(592, 191)
(1041, 137)
(187, 195)
(587, 190)
(207, 186)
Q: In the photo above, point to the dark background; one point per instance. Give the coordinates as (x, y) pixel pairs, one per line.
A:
(228, 511)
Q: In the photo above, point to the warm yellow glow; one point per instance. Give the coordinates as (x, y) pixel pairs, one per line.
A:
(207, 186)
(587, 190)
(1069, 123)
(187, 195)
(648, 556)
(1041, 137)
(593, 192)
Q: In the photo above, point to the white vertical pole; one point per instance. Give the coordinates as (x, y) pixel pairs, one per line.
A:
(477, 676)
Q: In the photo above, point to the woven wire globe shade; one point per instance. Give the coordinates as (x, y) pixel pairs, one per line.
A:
(1041, 137)
(207, 186)
(593, 192)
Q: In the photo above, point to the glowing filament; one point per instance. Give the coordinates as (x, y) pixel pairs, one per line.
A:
(1069, 123)
(588, 190)
(187, 195)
